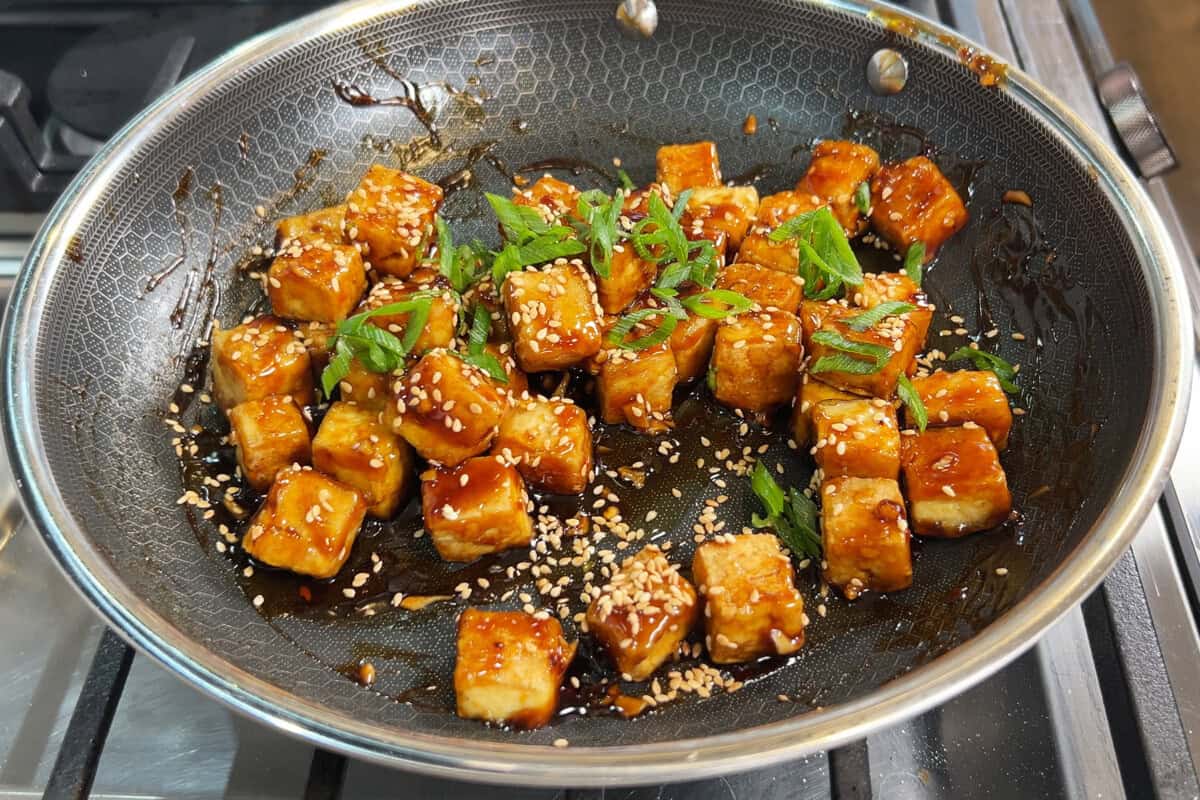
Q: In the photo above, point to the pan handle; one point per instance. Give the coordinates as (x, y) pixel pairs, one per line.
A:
(638, 17)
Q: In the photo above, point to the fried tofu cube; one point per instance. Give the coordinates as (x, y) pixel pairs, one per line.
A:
(447, 409)
(858, 438)
(913, 202)
(728, 209)
(307, 525)
(322, 225)
(810, 393)
(688, 166)
(442, 321)
(692, 343)
(509, 667)
(756, 360)
(896, 336)
(751, 606)
(353, 446)
(389, 217)
(550, 443)
(834, 174)
(884, 287)
(270, 434)
(864, 535)
(757, 248)
(776, 209)
(954, 481)
(553, 198)
(320, 282)
(371, 391)
(518, 384)
(629, 276)
(317, 338)
(642, 614)
(258, 359)
(636, 204)
(475, 508)
(765, 286)
(636, 386)
(553, 315)
(953, 398)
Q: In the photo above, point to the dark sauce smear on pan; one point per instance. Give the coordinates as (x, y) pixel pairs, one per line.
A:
(1019, 284)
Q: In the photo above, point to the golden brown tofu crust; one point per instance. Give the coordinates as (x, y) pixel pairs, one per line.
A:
(554, 316)
(688, 166)
(834, 174)
(270, 434)
(258, 359)
(354, 447)
(765, 286)
(322, 225)
(751, 605)
(756, 360)
(857, 438)
(809, 393)
(307, 524)
(952, 398)
(898, 334)
(636, 387)
(516, 651)
(442, 323)
(554, 198)
(319, 282)
(728, 210)
(643, 613)
(954, 465)
(758, 249)
(864, 531)
(550, 443)
(475, 508)
(629, 276)
(913, 202)
(447, 409)
(692, 344)
(389, 217)
(776, 209)
(884, 287)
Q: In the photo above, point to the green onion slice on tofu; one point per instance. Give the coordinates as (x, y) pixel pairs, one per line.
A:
(528, 238)
(862, 197)
(914, 261)
(857, 358)
(791, 514)
(1005, 372)
(912, 401)
(827, 263)
(376, 349)
(717, 303)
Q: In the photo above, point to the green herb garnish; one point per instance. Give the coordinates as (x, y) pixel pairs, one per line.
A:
(626, 181)
(862, 197)
(717, 303)
(914, 261)
(873, 316)
(376, 349)
(826, 260)
(1004, 371)
(598, 228)
(659, 238)
(529, 239)
(857, 358)
(792, 515)
(464, 265)
(912, 400)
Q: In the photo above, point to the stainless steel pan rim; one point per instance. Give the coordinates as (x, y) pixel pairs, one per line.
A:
(511, 763)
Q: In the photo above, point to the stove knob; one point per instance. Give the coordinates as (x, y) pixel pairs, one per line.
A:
(1121, 93)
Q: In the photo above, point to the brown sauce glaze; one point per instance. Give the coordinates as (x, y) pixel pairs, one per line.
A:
(411, 99)
(575, 166)
(182, 193)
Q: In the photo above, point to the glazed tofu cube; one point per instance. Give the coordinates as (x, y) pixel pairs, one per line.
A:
(509, 667)
(447, 409)
(317, 338)
(808, 396)
(765, 286)
(320, 282)
(636, 204)
(692, 344)
(954, 481)
(553, 315)
(258, 359)
(758, 249)
(643, 613)
(353, 446)
(751, 606)
(834, 174)
(913, 202)
(307, 525)
(389, 217)
(729, 209)
(442, 322)
(953, 398)
(270, 435)
(898, 336)
(550, 443)
(322, 225)
(371, 391)
(884, 287)
(858, 438)
(554, 198)
(864, 534)
(688, 166)
(518, 384)
(756, 360)
(629, 276)
(776, 209)
(636, 386)
(475, 508)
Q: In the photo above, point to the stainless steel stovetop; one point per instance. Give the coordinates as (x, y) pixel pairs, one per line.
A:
(1107, 705)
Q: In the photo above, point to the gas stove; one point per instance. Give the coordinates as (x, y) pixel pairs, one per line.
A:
(1106, 705)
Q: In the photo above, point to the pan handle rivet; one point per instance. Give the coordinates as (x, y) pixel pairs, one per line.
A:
(887, 71)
